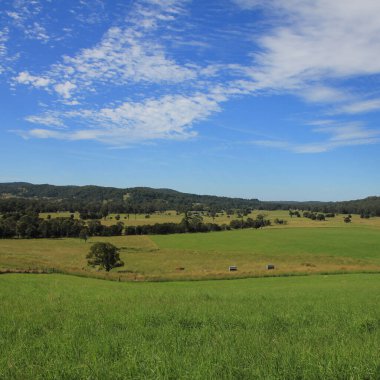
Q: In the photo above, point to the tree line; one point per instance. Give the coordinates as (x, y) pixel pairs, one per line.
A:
(31, 226)
(16, 225)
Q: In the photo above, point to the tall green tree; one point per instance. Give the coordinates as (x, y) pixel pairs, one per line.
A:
(106, 255)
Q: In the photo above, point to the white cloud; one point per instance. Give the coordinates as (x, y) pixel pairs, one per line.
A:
(49, 120)
(331, 145)
(130, 56)
(65, 89)
(313, 48)
(359, 107)
(124, 56)
(168, 117)
(315, 41)
(43, 134)
(353, 131)
(310, 49)
(25, 78)
(321, 122)
(324, 94)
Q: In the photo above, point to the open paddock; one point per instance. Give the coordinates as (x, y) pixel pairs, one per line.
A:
(348, 248)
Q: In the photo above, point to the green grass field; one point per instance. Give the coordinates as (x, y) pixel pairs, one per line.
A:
(293, 251)
(305, 327)
(316, 327)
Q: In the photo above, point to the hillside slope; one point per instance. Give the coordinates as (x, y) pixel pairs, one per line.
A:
(149, 199)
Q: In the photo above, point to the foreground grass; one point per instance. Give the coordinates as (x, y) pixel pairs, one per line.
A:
(206, 256)
(318, 327)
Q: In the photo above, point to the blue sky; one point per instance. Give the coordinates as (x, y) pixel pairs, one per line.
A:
(268, 99)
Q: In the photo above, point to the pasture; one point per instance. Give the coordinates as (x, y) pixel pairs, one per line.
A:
(325, 326)
(333, 249)
(317, 327)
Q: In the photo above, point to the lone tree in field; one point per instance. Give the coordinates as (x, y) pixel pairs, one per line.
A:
(347, 219)
(106, 255)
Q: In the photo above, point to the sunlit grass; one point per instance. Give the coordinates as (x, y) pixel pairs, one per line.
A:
(208, 255)
(319, 327)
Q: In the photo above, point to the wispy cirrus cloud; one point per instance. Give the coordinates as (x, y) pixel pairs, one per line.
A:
(339, 135)
(49, 119)
(315, 46)
(168, 117)
(315, 41)
(359, 107)
(325, 94)
(348, 132)
(313, 50)
(3, 47)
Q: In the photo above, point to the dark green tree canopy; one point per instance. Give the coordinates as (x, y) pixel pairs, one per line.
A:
(95, 202)
(106, 255)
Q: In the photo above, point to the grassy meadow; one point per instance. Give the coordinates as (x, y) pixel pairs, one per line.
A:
(279, 327)
(316, 327)
(300, 247)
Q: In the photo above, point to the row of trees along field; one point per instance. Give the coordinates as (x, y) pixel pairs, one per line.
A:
(31, 226)
(22, 197)
(17, 225)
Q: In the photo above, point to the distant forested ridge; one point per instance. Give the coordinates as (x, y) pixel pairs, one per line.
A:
(50, 198)
(22, 197)
(367, 207)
